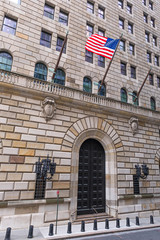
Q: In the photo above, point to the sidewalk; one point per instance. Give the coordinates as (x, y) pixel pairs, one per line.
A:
(42, 232)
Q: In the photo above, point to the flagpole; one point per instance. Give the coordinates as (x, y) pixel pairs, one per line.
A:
(110, 63)
(142, 84)
(64, 42)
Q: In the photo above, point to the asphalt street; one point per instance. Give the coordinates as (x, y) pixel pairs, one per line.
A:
(150, 234)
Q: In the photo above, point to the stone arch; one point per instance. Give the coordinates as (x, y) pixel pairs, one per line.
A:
(101, 130)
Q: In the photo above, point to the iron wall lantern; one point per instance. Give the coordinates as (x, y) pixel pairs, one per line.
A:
(45, 167)
(142, 172)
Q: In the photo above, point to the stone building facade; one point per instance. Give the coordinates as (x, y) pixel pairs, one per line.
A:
(128, 133)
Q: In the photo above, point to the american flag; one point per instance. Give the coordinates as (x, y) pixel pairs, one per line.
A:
(101, 45)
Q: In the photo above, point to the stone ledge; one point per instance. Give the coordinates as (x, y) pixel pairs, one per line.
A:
(132, 196)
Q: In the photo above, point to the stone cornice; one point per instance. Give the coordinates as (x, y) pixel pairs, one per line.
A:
(66, 95)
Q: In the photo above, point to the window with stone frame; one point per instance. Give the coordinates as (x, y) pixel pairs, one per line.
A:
(9, 25)
(135, 99)
(156, 60)
(102, 91)
(150, 5)
(129, 8)
(144, 2)
(123, 68)
(63, 17)
(60, 77)
(123, 95)
(149, 57)
(89, 56)
(153, 103)
(151, 82)
(101, 32)
(5, 61)
(40, 71)
(46, 39)
(90, 29)
(122, 45)
(120, 3)
(121, 23)
(130, 27)
(87, 85)
(145, 17)
(59, 44)
(158, 81)
(101, 12)
(152, 22)
(147, 34)
(154, 40)
(48, 11)
(101, 61)
(90, 7)
(131, 49)
(133, 72)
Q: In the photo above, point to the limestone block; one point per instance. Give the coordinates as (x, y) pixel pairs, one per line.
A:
(37, 219)
(61, 185)
(14, 176)
(26, 152)
(16, 221)
(13, 136)
(21, 185)
(28, 137)
(51, 216)
(27, 195)
(4, 159)
(64, 177)
(6, 186)
(16, 159)
(21, 130)
(1, 198)
(13, 195)
(24, 168)
(8, 167)
(29, 177)
(3, 176)
(19, 144)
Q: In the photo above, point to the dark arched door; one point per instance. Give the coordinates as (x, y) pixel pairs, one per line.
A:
(91, 178)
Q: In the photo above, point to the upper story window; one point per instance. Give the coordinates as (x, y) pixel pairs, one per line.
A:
(123, 68)
(153, 103)
(63, 18)
(135, 99)
(131, 49)
(60, 77)
(152, 22)
(16, 1)
(149, 57)
(89, 56)
(45, 39)
(5, 61)
(90, 29)
(101, 61)
(156, 60)
(144, 2)
(151, 5)
(90, 7)
(129, 8)
(133, 72)
(40, 71)
(130, 27)
(123, 95)
(154, 40)
(60, 44)
(145, 17)
(151, 79)
(9, 25)
(122, 45)
(101, 12)
(87, 85)
(101, 32)
(158, 81)
(102, 91)
(120, 3)
(147, 36)
(49, 11)
(121, 23)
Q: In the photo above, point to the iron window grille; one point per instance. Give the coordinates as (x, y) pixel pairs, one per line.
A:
(131, 49)
(145, 17)
(89, 56)
(149, 59)
(101, 61)
(120, 3)
(156, 60)
(151, 79)
(87, 85)
(102, 91)
(40, 71)
(153, 104)
(45, 39)
(123, 68)
(154, 40)
(121, 23)
(49, 11)
(130, 28)
(123, 95)
(90, 7)
(133, 72)
(5, 61)
(89, 29)
(40, 187)
(122, 45)
(136, 185)
(101, 12)
(9, 25)
(60, 77)
(63, 18)
(60, 44)
(129, 8)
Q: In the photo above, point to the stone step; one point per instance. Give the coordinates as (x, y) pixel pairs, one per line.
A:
(88, 218)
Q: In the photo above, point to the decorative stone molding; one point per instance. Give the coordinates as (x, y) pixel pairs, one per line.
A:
(133, 122)
(49, 108)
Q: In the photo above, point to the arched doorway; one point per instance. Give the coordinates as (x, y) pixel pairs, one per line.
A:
(91, 178)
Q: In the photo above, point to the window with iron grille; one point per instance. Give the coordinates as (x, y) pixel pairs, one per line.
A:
(149, 57)
(87, 85)
(158, 81)
(123, 68)
(102, 91)
(40, 187)
(5, 61)
(45, 39)
(129, 8)
(135, 99)
(151, 79)
(89, 56)
(123, 95)
(152, 22)
(131, 49)
(121, 23)
(154, 41)
(60, 44)
(101, 32)
(63, 18)
(40, 71)
(156, 60)
(133, 72)
(101, 61)
(136, 184)
(151, 5)
(49, 11)
(101, 12)
(120, 3)
(60, 77)
(122, 45)
(9, 25)
(130, 27)
(145, 17)
(153, 104)
(90, 29)
(90, 7)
